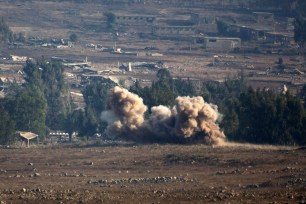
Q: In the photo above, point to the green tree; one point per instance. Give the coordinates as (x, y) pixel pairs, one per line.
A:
(230, 121)
(33, 73)
(95, 96)
(185, 87)
(7, 128)
(56, 94)
(163, 92)
(257, 116)
(268, 117)
(73, 37)
(74, 122)
(302, 94)
(295, 118)
(163, 74)
(49, 77)
(300, 31)
(144, 93)
(90, 123)
(28, 108)
(6, 34)
(301, 7)
(110, 20)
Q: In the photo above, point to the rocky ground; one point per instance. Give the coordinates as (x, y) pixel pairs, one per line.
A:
(129, 173)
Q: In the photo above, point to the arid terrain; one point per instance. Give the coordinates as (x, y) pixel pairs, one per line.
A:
(123, 172)
(129, 173)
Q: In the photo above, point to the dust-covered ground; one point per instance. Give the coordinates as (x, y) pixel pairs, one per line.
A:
(129, 173)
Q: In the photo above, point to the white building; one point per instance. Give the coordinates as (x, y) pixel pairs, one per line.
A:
(221, 43)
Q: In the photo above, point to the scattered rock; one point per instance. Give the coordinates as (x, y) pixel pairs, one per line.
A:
(163, 179)
(89, 163)
(37, 190)
(252, 186)
(36, 174)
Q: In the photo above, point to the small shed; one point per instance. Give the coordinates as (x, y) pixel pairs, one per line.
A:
(27, 136)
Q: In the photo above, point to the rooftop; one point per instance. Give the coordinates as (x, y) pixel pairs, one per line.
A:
(27, 135)
(222, 38)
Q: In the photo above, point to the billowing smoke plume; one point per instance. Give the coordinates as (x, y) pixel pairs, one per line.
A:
(191, 119)
(125, 114)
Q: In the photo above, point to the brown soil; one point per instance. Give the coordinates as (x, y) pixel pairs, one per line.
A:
(128, 173)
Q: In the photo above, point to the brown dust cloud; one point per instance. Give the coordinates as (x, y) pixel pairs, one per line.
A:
(191, 119)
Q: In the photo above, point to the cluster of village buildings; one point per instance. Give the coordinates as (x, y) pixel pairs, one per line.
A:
(258, 26)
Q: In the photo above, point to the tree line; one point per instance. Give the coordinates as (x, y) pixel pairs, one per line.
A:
(43, 104)
(39, 104)
(255, 116)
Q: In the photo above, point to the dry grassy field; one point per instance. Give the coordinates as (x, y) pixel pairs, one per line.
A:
(129, 173)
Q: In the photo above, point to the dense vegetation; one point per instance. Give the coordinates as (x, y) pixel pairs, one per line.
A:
(7, 127)
(40, 103)
(110, 20)
(255, 116)
(300, 31)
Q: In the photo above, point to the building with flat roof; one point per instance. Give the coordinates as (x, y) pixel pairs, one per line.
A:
(134, 19)
(221, 43)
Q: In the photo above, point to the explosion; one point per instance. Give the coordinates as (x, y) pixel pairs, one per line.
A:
(191, 119)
